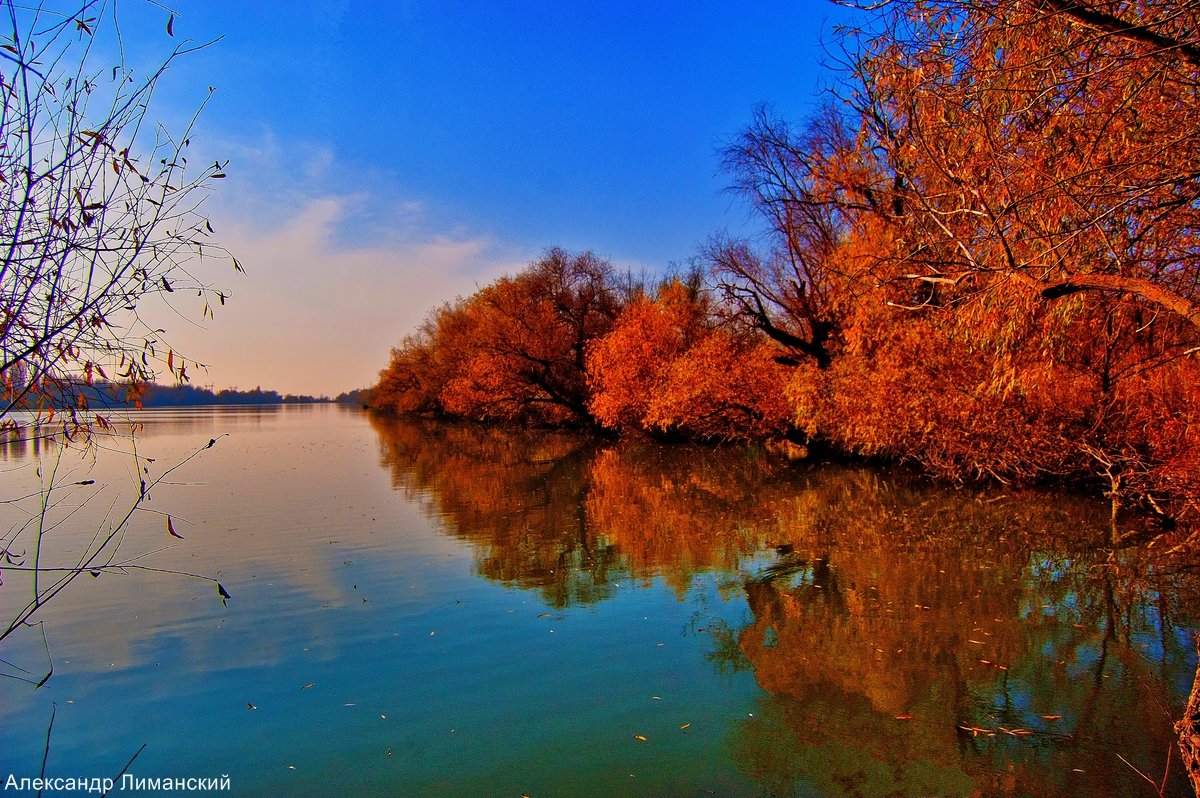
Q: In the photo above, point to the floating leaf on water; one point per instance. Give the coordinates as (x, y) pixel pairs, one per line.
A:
(684, 726)
(310, 684)
(639, 737)
(1051, 717)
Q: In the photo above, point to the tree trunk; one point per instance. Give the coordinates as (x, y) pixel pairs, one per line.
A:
(1188, 729)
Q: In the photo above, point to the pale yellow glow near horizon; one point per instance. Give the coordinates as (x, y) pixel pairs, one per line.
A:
(318, 317)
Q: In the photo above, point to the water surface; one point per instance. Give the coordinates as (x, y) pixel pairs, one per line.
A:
(422, 608)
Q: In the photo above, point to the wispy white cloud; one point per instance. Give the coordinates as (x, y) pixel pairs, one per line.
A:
(332, 281)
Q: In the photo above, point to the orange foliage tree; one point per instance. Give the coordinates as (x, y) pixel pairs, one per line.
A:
(1050, 145)
(811, 188)
(667, 367)
(989, 249)
(984, 261)
(513, 351)
(424, 363)
(529, 339)
(1045, 187)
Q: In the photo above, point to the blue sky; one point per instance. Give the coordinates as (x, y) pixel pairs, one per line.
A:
(386, 157)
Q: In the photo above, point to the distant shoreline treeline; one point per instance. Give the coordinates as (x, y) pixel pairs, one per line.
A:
(102, 395)
(981, 257)
(183, 395)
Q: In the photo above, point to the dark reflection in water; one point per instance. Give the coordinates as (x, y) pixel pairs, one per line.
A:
(15, 447)
(909, 639)
(520, 499)
(28, 440)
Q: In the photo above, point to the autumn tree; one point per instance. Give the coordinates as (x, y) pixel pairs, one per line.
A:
(917, 386)
(1044, 150)
(1049, 144)
(814, 190)
(529, 340)
(669, 367)
(985, 244)
(99, 212)
(1045, 190)
(979, 256)
(425, 362)
(515, 350)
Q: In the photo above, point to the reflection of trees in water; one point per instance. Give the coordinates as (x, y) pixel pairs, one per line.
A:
(553, 511)
(878, 597)
(675, 512)
(518, 498)
(979, 632)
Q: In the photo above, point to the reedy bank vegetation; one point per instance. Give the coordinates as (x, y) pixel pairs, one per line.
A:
(983, 259)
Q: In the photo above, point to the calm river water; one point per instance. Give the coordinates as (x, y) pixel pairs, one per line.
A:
(431, 609)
